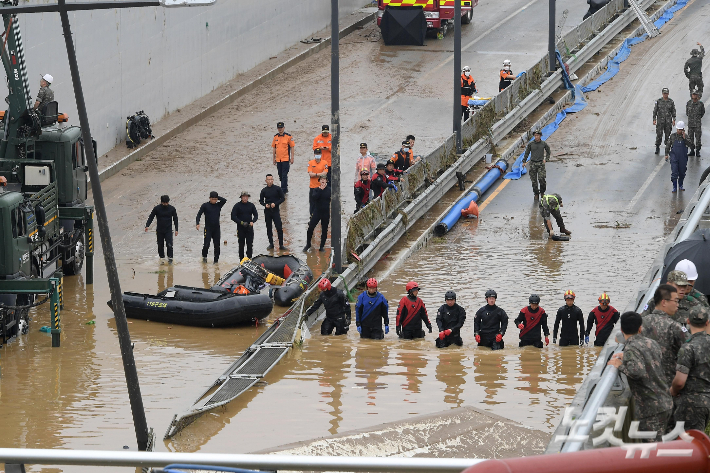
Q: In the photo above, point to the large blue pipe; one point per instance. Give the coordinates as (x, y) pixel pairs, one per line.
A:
(478, 190)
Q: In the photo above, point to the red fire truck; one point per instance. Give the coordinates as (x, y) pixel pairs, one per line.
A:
(439, 14)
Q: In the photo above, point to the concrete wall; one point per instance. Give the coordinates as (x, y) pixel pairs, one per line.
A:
(158, 59)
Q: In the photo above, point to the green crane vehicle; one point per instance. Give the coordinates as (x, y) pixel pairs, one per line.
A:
(46, 228)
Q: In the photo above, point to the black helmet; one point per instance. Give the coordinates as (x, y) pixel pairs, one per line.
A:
(450, 295)
(491, 293)
(534, 299)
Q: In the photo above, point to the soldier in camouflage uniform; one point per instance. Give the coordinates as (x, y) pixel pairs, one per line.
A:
(694, 70)
(659, 326)
(663, 118)
(691, 384)
(550, 206)
(641, 363)
(538, 151)
(695, 110)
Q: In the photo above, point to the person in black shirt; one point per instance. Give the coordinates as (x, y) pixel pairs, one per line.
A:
(450, 319)
(570, 315)
(165, 215)
(530, 320)
(605, 316)
(380, 183)
(321, 213)
(271, 197)
(212, 210)
(337, 307)
(244, 215)
(490, 323)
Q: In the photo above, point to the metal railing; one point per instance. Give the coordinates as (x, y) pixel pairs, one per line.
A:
(263, 462)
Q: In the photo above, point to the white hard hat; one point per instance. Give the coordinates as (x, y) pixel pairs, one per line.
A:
(679, 125)
(506, 62)
(466, 69)
(48, 78)
(688, 267)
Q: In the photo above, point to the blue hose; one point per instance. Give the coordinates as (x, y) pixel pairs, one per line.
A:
(480, 188)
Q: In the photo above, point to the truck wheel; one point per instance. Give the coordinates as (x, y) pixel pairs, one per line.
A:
(78, 253)
(441, 33)
(468, 17)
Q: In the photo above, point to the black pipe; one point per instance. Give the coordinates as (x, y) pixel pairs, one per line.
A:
(335, 229)
(124, 337)
(78, 6)
(551, 37)
(457, 76)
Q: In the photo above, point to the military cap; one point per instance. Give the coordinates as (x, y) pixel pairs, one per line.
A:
(678, 278)
(363, 145)
(698, 315)
(245, 193)
(405, 143)
(538, 132)
(280, 125)
(665, 90)
(316, 151)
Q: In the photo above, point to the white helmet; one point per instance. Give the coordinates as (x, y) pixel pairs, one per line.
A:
(466, 69)
(688, 267)
(506, 62)
(679, 125)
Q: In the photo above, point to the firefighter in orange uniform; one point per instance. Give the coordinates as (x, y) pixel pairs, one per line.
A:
(324, 141)
(506, 76)
(468, 88)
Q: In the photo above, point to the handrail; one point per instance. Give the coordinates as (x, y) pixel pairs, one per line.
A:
(265, 462)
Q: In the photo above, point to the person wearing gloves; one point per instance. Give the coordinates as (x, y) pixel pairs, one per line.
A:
(605, 316)
(490, 323)
(506, 76)
(570, 315)
(411, 312)
(362, 190)
(530, 321)
(244, 214)
(380, 183)
(450, 319)
(370, 311)
(550, 206)
(677, 151)
(468, 88)
(337, 309)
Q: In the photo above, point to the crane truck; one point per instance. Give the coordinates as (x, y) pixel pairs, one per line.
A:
(46, 228)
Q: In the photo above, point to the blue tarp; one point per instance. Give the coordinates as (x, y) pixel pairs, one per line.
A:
(480, 103)
(518, 170)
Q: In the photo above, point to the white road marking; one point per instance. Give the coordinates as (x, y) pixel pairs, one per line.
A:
(650, 178)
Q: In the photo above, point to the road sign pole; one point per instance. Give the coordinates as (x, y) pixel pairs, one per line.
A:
(335, 230)
(457, 76)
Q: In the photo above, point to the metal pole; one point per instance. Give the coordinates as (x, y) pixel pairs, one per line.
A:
(551, 37)
(457, 76)
(335, 234)
(124, 338)
(55, 309)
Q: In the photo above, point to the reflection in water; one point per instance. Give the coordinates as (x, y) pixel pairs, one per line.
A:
(210, 270)
(532, 367)
(339, 358)
(545, 251)
(451, 371)
(413, 362)
(165, 277)
(371, 360)
(491, 370)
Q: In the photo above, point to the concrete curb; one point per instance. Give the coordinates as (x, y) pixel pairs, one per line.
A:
(162, 139)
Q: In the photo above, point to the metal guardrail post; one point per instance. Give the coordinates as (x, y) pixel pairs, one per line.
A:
(55, 308)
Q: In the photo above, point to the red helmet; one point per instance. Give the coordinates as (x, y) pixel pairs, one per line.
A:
(324, 284)
(412, 285)
(372, 282)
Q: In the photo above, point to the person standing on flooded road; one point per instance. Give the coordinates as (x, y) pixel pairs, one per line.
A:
(490, 323)
(677, 151)
(663, 118)
(570, 316)
(641, 363)
(284, 153)
(337, 309)
(165, 214)
(411, 312)
(539, 152)
(550, 206)
(244, 214)
(449, 319)
(371, 310)
(531, 321)
(605, 316)
(212, 211)
(321, 213)
(271, 197)
(324, 142)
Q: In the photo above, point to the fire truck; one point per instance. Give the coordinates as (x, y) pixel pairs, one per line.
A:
(439, 14)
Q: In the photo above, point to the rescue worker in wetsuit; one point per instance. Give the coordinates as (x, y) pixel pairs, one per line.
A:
(380, 183)
(212, 210)
(550, 206)
(490, 323)
(402, 159)
(165, 215)
(530, 320)
(370, 311)
(570, 315)
(244, 214)
(362, 190)
(468, 88)
(506, 76)
(450, 319)
(605, 316)
(337, 309)
(411, 312)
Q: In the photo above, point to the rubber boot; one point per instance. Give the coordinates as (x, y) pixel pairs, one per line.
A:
(658, 149)
(675, 186)
(680, 184)
(692, 153)
(697, 152)
(565, 231)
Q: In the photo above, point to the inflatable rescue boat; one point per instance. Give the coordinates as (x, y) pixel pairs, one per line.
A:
(288, 277)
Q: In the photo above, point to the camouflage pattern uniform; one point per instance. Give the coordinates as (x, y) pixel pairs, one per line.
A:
(670, 335)
(663, 115)
(694, 71)
(536, 167)
(653, 403)
(695, 112)
(698, 297)
(693, 401)
(44, 96)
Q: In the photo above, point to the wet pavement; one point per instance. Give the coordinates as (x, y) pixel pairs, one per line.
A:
(75, 396)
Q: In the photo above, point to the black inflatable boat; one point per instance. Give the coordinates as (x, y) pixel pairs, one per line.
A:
(197, 307)
(296, 275)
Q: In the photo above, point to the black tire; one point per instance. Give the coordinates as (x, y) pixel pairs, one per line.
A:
(704, 175)
(468, 17)
(77, 252)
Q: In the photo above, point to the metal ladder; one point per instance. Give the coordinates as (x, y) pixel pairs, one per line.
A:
(650, 28)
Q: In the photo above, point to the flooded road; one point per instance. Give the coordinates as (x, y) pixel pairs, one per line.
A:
(75, 396)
